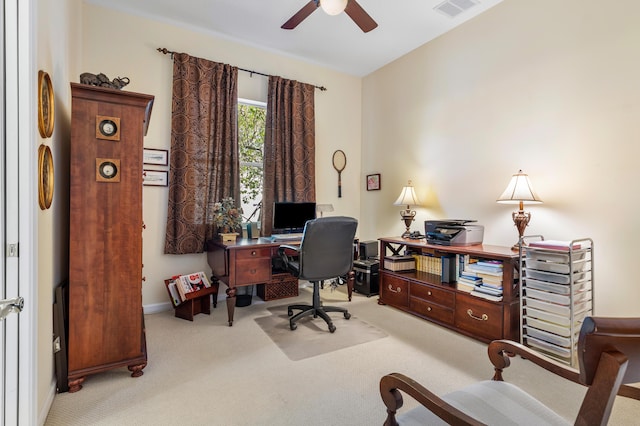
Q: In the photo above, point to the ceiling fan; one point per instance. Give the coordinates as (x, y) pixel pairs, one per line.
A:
(333, 7)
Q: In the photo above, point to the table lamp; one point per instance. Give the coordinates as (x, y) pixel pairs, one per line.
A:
(519, 191)
(407, 197)
(321, 208)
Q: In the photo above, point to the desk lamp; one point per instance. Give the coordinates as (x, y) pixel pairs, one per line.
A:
(519, 191)
(324, 208)
(407, 197)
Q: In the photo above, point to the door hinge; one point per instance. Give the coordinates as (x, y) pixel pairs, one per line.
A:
(12, 250)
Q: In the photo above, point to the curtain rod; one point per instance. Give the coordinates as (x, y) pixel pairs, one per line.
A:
(166, 51)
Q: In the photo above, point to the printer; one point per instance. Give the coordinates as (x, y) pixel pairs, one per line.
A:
(453, 232)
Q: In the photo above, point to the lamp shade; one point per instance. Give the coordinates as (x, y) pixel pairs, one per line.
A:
(519, 190)
(333, 7)
(324, 208)
(407, 197)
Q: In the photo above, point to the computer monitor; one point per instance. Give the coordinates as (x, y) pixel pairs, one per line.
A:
(291, 217)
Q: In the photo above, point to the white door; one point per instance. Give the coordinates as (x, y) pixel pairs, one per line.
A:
(17, 384)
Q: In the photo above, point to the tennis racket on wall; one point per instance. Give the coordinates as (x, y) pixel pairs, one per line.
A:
(339, 163)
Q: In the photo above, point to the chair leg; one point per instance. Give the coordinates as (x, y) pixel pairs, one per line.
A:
(316, 309)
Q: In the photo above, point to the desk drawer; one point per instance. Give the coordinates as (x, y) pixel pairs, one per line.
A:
(253, 253)
(253, 271)
(480, 317)
(394, 290)
(431, 310)
(433, 294)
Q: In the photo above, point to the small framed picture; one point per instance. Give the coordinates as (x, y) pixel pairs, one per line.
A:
(157, 157)
(155, 178)
(373, 182)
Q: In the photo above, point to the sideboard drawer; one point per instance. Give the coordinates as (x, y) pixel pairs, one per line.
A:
(253, 271)
(478, 316)
(431, 310)
(432, 294)
(394, 290)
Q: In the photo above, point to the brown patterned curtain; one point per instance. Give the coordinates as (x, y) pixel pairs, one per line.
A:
(289, 146)
(204, 150)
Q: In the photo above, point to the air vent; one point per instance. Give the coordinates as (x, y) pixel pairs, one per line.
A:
(453, 8)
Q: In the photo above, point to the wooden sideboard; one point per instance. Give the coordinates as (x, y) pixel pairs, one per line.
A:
(424, 295)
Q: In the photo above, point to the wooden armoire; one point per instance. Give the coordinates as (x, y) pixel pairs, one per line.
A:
(105, 319)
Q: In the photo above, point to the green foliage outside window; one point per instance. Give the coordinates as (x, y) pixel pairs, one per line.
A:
(251, 128)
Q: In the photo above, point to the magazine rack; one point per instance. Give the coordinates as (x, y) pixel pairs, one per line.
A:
(197, 302)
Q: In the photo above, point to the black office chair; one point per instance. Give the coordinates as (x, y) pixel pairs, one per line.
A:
(326, 252)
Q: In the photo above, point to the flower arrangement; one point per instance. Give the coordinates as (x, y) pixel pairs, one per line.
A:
(226, 216)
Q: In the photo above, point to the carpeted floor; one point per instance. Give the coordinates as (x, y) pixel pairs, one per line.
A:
(312, 337)
(207, 373)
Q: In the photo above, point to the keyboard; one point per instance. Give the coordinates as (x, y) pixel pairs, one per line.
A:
(287, 237)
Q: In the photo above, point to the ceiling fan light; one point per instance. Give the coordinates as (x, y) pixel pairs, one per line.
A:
(333, 7)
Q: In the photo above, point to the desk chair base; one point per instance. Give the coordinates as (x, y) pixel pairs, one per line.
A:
(317, 310)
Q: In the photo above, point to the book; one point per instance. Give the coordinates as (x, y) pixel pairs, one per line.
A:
(486, 269)
(173, 292)
(486, 296)
(488, 290)
(189, 283)
(463, 286)
(490, 278)
(469, 282)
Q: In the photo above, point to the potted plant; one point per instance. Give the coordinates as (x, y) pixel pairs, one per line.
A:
(228, 218)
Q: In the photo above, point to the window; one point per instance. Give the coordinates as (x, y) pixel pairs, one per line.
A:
(251, 126)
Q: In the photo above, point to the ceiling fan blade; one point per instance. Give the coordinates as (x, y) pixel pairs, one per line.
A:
(301, 15)
(360, 17)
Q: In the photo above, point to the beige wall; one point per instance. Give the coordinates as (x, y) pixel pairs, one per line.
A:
(549, 87)
(131, 51)
(58, 41)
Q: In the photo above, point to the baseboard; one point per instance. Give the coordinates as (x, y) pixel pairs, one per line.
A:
(167, 306)
(46, 407)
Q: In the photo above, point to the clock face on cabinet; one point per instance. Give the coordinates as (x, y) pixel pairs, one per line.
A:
(107, 170)
(108, 128)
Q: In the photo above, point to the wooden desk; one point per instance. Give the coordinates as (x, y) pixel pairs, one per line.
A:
(245, 262)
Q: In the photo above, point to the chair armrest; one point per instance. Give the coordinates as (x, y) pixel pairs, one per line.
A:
(391, 384)
(284, 247)
(282, 253)
(500, 351)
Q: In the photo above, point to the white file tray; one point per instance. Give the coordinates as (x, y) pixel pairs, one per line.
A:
(548, 347)
(555, 339)
(556, 288)
(553, 277)
(554, 307)
(560, 320)
(564, 331)
(552, 255)
(556, 267)
(561, 299)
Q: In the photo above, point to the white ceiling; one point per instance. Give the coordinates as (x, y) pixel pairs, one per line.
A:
(332, 41)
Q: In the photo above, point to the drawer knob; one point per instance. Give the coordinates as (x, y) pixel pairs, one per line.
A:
(394, 290)
(253, 253)
(429, 292)
(484, 317)
(429, 308)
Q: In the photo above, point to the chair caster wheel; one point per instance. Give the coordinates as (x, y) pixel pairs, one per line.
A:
(347, 315)
(290, 313)
(332, 328)
(293, 326)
